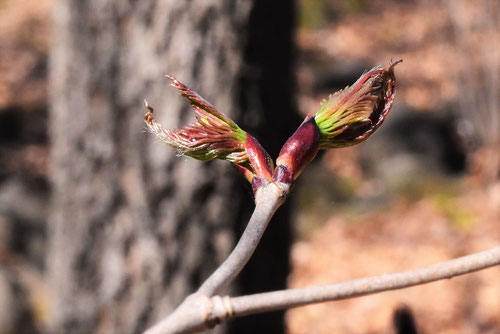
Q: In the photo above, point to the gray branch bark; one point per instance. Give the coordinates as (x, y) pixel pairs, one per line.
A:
(267, 200)
(199, 312)
(277, 300)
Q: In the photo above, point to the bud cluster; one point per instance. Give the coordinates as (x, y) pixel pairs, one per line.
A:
(346, 118)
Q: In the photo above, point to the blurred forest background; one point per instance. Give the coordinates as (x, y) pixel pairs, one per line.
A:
(103, 230)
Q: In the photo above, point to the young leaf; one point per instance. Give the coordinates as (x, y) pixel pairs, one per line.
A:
(354, 113)
(213, 135)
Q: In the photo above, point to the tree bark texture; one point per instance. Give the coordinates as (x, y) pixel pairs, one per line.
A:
(133, 228)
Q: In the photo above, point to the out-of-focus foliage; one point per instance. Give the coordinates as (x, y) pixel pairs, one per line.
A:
(476, 36)
(24, 40)
(317, 13)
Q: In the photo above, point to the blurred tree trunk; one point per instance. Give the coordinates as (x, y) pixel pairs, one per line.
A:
(133, 228)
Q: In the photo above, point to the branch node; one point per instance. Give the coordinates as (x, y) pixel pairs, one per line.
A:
(207, 312)
(228, 307)
(284, 189)
(216, 310)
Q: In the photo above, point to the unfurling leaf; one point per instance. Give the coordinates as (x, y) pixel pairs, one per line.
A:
(354, 113)
(210, 137)
(213, 135)
(346, 118)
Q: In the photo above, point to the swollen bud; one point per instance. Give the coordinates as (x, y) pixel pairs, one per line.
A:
(213, 135)
(351, 115)
(259, 167)
(260, 160)
(209, 137)
(298, 151)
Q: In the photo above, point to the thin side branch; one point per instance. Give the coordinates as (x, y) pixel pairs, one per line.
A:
(285, 299)
(200, 313)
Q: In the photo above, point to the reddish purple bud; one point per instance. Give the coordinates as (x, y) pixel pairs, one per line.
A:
(354, 113)
(209, 137)
(261, 162)
(283, 174)
(213, 135)
(298, 151)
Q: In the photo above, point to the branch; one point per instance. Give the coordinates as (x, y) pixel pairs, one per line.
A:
(197, 306)
(268, 199)
(285, 299)
(200, 313)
